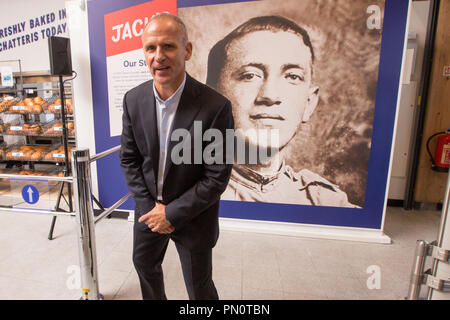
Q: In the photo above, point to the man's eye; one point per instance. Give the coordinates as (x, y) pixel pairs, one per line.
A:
(150, 48)
(294, 77)
(247, 76)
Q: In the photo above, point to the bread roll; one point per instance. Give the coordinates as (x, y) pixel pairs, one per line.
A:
(35, 129)
(37, 108)
(55, 129)
(35, 156)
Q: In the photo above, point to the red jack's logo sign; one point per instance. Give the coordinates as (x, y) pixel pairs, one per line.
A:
(124, 28)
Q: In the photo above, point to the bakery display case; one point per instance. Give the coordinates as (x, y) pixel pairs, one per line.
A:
(39, 122)
(36, 135)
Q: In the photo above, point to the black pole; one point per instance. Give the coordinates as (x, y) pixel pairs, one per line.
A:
(98, 203)
(52, 226)
(421, 105)
(67, 162)
(66, 150)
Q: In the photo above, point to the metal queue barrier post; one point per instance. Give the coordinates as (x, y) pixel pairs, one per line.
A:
(81, 161)
(82, 185)
(81, 171)
(437, 278)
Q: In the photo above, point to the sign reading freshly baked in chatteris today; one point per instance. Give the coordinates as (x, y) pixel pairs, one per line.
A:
(125, 63)
(24, 31)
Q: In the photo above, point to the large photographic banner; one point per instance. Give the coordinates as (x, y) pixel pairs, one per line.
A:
(326, 75)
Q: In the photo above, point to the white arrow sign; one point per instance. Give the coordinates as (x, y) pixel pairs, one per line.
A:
(30, 194)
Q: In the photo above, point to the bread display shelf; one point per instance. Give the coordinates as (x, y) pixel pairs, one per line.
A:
(35, 105)
(55, 107)
(27, 106)
(26, 152)
(51, 129)
(33, 143)
(21, 129)
(55, 128)
(37, 135)
(34, 139)
(57, 154)
(36, 153)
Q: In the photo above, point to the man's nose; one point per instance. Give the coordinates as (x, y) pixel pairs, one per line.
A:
(268, 94)
(159, 54)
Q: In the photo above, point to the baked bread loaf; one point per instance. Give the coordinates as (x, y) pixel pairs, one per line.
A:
(55, 130)
(35, 129)
(58, 154)
(6, 104)
(55, 107)
(24, 153)
(28, 105)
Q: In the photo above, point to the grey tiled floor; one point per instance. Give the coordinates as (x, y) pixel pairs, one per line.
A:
(246, 265)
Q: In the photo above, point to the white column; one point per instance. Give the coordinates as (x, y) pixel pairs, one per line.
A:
(77, 21)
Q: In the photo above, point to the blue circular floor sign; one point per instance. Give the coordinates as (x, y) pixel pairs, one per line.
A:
(30, 194)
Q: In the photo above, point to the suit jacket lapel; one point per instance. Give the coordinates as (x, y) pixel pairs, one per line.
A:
(186, 112)
(148, 111)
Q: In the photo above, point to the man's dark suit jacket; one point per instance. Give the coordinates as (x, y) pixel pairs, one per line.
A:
(191, 192)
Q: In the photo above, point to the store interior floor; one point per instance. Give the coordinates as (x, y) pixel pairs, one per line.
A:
(246, 265)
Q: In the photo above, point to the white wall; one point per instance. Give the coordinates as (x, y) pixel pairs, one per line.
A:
(407, 108)
(23, 14)
(81, 85)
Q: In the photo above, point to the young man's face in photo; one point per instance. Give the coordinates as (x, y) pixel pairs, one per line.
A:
(267, 77)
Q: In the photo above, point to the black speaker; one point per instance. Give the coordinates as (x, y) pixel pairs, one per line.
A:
(60, 59)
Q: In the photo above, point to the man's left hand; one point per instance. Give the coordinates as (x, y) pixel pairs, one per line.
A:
(155, 219)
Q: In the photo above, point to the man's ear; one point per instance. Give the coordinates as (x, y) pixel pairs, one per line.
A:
(188, 50)
(313, 99)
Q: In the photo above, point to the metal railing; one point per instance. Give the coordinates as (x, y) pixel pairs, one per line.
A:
(420, 277)
(81, 161)
(431, 278)
(84, 214)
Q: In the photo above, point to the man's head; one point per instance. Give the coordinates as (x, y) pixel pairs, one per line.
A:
(264, 67)
(166, 48)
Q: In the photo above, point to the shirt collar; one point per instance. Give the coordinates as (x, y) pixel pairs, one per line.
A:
(253, 179)
(174, 97)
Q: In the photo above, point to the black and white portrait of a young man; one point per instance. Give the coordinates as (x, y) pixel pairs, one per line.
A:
(305, 69)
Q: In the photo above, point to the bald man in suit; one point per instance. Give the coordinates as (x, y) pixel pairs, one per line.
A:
(177, 201)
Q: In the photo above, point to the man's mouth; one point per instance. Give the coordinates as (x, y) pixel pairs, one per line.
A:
(260, 116)
(161, 68)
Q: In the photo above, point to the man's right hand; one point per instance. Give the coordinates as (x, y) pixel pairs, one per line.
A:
(156, 220)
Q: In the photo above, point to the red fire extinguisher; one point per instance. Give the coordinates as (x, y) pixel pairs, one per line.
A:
(441, 160)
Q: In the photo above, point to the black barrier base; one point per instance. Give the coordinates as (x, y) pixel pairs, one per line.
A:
(115, 214)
